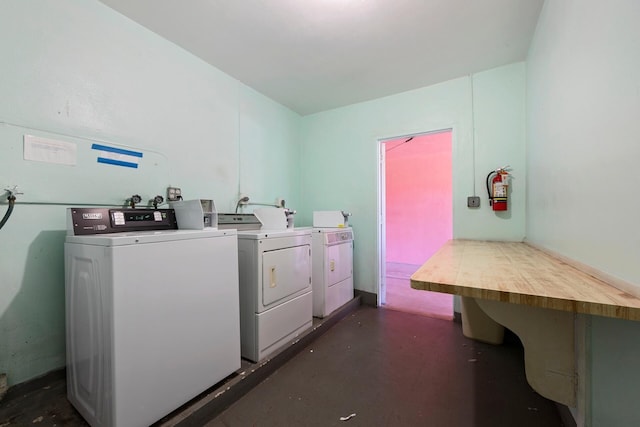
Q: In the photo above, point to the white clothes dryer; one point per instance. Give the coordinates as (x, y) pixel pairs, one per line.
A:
(275, 289)
(152, 313)
(332, 250)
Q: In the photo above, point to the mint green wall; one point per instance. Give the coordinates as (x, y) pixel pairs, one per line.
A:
(78, 68)
(582, 157)
(340, 152)
(269, 147)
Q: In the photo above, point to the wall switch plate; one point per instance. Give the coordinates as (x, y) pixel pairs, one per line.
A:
(173, 194)
(473, 201)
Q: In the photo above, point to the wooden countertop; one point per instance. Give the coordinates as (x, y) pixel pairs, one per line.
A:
(521, 274)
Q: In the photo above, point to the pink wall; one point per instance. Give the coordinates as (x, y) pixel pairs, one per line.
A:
(418, 197)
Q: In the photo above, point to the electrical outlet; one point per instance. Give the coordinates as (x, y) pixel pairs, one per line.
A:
(173, 194)
(473, 202)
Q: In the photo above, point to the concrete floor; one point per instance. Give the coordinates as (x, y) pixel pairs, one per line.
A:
(387, 367)
(396, 369)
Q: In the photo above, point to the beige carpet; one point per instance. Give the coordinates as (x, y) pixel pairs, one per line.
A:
(401, 297)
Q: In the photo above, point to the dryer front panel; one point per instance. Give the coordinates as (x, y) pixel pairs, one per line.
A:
(285, 273)
(339, 263)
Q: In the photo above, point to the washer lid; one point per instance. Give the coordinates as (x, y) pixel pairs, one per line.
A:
(142, 237)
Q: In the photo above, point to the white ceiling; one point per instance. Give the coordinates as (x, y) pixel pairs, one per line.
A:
(314, 55)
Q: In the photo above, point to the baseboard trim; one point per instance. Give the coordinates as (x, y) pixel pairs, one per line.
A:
(367, 298)
(566, 416)
(457, 317)
(36, 383)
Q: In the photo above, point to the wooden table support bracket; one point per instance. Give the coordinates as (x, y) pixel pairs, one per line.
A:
(548, 339)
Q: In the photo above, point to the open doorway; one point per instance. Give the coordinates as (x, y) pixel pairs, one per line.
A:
(416, 218)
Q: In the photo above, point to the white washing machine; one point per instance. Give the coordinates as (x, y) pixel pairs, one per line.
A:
(152, 313)
(332, 269)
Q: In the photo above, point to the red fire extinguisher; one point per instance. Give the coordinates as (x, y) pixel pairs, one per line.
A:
(497, 189)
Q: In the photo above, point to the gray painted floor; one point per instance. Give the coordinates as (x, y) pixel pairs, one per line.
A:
(396, 369)
(387, 367)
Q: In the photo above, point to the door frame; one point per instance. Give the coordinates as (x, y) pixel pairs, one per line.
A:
(382, 206)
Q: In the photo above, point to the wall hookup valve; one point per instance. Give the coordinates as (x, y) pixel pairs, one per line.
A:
(497, 186)
(156, 201)
(134, 200)
(11, 199)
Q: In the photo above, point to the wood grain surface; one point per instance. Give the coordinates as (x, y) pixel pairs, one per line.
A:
(518, 273)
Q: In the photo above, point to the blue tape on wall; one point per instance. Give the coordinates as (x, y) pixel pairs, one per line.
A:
(117, 163)
(117, 156)
(116, 150)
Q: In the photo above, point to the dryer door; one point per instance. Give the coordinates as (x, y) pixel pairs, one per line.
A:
(339, 262)
(285, 272)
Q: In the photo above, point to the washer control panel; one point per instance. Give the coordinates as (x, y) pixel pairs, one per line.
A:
(83, 221)
(339, 237)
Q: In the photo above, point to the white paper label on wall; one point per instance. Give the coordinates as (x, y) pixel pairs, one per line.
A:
(48, 150)
(117, 156)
